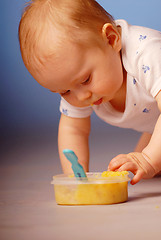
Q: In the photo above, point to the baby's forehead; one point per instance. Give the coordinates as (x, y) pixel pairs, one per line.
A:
(56, 37)
(66, 55)
(55, 47)
(57, 44)
(65, 63)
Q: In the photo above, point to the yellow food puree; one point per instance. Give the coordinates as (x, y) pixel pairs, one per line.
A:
(99, 192)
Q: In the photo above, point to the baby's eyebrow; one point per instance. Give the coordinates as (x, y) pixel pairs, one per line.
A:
(53, 91)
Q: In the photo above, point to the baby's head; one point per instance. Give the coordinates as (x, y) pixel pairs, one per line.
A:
(46, 26)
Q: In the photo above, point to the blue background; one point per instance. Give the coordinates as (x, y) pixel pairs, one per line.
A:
(25, 106)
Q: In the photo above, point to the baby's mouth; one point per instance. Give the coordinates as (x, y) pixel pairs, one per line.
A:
(98, 102)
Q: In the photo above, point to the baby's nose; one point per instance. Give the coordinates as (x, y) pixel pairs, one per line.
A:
(83, 95)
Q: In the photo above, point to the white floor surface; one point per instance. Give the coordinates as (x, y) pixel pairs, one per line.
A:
(27, 205)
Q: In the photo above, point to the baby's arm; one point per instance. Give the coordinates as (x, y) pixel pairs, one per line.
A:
(147, 163)
(73, 134)
(143, 142)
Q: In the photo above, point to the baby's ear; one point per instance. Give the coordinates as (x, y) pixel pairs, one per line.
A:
(111, 36)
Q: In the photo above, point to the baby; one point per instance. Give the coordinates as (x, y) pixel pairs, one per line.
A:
(76, 48)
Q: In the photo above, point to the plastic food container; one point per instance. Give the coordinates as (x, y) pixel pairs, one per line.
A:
(95, 190)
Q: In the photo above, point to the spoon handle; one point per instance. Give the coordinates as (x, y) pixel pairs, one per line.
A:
(76, 166)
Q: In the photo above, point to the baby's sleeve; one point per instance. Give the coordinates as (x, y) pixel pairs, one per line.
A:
(75, 112)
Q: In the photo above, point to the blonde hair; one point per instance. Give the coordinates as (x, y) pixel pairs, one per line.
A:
(81, 21)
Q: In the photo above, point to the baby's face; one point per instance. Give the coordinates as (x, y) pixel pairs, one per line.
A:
(82, 76)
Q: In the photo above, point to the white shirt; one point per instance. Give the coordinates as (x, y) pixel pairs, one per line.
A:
(141, 57)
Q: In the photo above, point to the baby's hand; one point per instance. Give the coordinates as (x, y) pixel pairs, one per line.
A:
(134, 162)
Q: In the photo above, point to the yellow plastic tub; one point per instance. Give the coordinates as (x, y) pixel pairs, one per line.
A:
(98, 188)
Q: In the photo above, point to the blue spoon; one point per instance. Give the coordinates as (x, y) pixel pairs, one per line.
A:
(76, 166)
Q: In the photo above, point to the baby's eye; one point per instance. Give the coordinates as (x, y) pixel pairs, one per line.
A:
(65, 93)
(86, 81)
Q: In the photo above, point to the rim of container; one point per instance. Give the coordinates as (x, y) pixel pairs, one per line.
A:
(64, 179)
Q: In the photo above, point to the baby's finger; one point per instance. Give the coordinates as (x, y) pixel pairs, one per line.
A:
(137, 177)
(128, 166)
(117, 162)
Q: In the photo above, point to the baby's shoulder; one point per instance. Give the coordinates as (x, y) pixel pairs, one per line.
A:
(137, 39)
(141, 47)
(141, 55)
